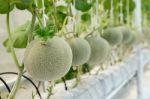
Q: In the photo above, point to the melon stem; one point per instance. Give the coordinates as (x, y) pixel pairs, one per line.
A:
(20, 67)
(63, 26)
(49, 91)
(38, 17)
(11, 42)
(78, 74)
(99, 69)
(16, 85)
(65, 84)
(30, 35)
(78, 78)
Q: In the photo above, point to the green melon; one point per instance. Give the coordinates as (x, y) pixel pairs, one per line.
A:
(139, 37)
(127, 36)
(132, 41)
(146, 32)
(100, 49)
(80, 49)
(113, 35)
(49, 61)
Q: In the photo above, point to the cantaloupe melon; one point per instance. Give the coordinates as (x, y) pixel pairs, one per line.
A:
(80, 49)
(49, 61)
(100, 49)
(132, 41)
(139, 37)
(127, 36)
(113, 35)
(146, 32)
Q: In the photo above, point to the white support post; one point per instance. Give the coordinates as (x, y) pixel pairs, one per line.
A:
(139, 77)
(138, 21)
(138, 16)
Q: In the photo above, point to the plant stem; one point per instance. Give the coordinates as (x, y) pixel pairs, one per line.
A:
(63, 26)
(78, 74)
(43, 13)
(111, 13)
(39, 19)
(27, 78)
(92, 32)
(16, 85)
(20, 67)
(49, 92)
(30, 35)
(78, 78)
(65, 84)
(11, 41)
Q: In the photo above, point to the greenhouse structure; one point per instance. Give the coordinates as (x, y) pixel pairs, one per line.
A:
(74, 49)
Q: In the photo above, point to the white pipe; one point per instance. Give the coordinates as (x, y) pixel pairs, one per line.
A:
(114, 92)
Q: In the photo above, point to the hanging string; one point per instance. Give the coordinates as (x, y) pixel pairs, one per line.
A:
(97, 14)
(121, 11)
(128, 16)
(111, 12)
(74, 18)
(43, 9)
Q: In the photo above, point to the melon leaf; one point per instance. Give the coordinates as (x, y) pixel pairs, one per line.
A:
(82, 5)
(19, 36)
(4, 6)
(23, 4)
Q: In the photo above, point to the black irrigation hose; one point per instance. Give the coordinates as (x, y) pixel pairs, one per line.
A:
(65, 84)
(7, 87)
(38, 92)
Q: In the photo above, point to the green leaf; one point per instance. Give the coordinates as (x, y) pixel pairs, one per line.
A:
(82, 5)
(71, 74)
(81, 27)
(7, 45)
(20, 40)
(47, 3)
(46, 32)
(62, 9)
(68, 1)
(86, 17)
(4, 6)
(146, 6)
(107, 4)
(57, 14)
(23, 4)
(19, 36)
(131, 5)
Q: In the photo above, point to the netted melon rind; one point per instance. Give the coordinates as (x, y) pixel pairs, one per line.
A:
(50, 61)
(80, 49)
(100, 49)
(127, 36)
(132, 40)
(113, 35)
(146, 32)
